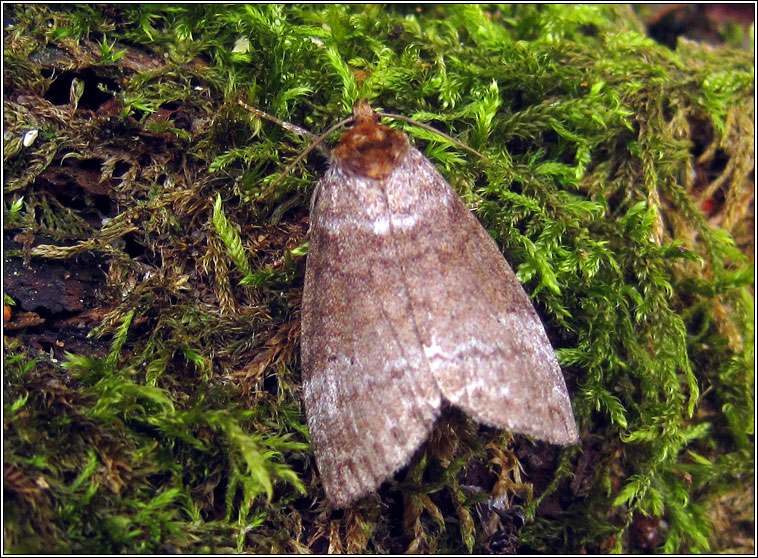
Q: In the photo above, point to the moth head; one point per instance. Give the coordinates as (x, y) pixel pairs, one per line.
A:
(369, 148)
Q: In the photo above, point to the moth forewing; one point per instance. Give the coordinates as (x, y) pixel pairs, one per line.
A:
(408, 302)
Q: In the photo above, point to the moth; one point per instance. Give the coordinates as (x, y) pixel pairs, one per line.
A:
(408, 305)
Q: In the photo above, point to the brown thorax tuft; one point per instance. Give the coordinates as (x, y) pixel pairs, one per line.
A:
(369, 148)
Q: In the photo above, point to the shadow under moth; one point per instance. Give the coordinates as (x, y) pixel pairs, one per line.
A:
(408, 305)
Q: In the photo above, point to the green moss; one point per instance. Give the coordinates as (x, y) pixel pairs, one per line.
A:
(616, 179)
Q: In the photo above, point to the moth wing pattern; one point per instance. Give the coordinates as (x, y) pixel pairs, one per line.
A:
(370, 396)
(483, 340)
(408, 303)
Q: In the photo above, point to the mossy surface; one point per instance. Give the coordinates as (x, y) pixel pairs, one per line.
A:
(156, 406)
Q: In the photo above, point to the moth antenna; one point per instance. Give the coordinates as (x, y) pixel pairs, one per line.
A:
(295, 129)
(317, 141)
(433, 130)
